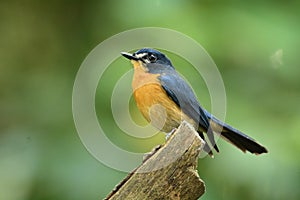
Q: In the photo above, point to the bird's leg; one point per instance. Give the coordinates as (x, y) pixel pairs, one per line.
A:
(170, 133)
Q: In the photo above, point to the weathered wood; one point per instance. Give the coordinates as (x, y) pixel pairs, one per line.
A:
(168, 172)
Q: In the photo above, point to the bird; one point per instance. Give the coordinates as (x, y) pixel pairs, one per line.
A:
(165, 99)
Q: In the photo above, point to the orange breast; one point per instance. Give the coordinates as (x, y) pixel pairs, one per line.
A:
(154, 103)
(157, 107)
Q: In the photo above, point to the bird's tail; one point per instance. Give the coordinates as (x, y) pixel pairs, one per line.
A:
(236, 137)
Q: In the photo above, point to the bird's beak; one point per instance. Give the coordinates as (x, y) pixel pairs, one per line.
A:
(129, 56)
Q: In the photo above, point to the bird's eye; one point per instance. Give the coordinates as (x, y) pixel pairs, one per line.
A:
(152, 58)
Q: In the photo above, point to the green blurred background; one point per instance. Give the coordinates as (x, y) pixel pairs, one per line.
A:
(254, 44)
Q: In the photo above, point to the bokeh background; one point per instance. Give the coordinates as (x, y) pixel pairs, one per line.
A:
(255, 45)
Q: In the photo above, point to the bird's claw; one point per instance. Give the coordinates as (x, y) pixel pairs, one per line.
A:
(168, 135)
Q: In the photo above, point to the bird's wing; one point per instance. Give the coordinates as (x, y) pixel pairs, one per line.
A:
(182, 94)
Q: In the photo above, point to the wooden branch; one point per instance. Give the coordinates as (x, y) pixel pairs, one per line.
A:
(168, 172)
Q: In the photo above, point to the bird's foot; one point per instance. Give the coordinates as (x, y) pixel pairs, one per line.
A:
(168, 135)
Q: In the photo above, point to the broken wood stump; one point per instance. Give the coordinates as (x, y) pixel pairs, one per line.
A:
(168, 172)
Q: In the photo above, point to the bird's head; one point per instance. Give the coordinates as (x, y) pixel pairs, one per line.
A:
(149, 58)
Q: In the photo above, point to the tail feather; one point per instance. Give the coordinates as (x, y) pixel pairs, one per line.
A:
(242, 141)
(237, 138)
(206, 147)
(211, 138)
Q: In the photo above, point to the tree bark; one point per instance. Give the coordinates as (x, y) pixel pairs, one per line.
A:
(168, 172)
